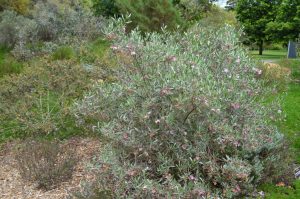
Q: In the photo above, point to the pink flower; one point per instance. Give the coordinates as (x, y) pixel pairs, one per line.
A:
(192, 178)
(114, 47)
(237, 189)
(235, 106)
(125, 136)
(257, 71)
(171, 58)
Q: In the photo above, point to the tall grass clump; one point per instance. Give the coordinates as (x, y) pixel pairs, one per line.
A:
(184, 118)
(64, 52)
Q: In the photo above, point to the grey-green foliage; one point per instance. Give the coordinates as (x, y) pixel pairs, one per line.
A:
(185, 118)
(47, 23)
(56, 23)
(15, 28)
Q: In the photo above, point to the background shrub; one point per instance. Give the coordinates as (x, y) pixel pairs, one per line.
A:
(19, 6)
(48, 22)
(15, 29)
(45, 163)
(37, 101)
(276, 75)
(186, 118)
(150, 15)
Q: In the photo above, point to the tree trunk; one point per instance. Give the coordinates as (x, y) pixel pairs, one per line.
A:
(261, 45)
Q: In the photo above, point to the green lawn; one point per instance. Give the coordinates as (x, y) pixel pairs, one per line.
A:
(290, 127)
(269, 54)
(291, 106)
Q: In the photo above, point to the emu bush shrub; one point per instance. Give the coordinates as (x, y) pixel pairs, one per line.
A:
(184, 117)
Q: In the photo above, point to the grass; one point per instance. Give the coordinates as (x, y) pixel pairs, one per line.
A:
(95, 50)
(269, 54)
(276, 192)
(7, 64)
(290, 126)
(64, 52)
(291, 106)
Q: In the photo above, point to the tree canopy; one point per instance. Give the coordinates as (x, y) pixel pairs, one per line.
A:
(255, 17)
(286, 25)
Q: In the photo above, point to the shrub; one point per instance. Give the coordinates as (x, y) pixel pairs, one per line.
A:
(36, 102)
(49, 22)
(45, 163)
(185, 118)
(15, 29)
(150, 15)
(8, 36)
(293, 65)
(46, 16)
(64, 52)
(276, 75)
(19, 6)
(274, 46)
(55, 23)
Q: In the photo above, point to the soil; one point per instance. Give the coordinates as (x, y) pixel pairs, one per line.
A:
(12, 186)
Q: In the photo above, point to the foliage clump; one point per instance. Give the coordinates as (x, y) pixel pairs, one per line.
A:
(45, 162)
(64, 52)
(185, 118)
(36, 102)
(7, 64)
(48, 22)
(19, 6)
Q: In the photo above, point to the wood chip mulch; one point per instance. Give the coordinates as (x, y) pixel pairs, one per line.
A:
(12, 186)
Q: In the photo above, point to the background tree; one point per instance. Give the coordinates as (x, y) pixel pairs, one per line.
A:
(286, 26)
(193, 10)
(218, 17)
(107, 8)
(150, 15)
(255, 16)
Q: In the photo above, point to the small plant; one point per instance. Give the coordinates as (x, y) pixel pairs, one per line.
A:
(275, 74)
(45, 163)
(64, 52)
(98, 189)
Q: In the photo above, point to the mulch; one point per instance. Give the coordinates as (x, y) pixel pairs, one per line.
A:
(12, 186)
